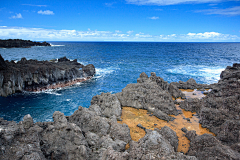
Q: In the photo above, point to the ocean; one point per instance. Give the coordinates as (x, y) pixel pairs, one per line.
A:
(117, 64)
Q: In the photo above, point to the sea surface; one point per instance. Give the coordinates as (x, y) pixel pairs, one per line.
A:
(117, 64)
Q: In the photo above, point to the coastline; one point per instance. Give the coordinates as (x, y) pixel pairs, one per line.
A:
(93, 133)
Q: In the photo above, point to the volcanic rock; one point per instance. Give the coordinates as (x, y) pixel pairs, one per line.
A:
(147, 94)
(33, 75)
(19, 43)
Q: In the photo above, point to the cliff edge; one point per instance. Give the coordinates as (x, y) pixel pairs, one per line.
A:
(33, 75)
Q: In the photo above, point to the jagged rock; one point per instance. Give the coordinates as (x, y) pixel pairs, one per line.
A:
(190, 84)
(63, 140)
(27, 121)
(191, 135)
(150, 96)
(33, 75)
(111, 154)
(88, 121)
(109, 105)
(169, 135)
(19, 43)
(191, 104)
(18, 142)
(154, 146)
(208, 147)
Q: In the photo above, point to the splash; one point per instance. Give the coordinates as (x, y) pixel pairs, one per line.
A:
(210, 74)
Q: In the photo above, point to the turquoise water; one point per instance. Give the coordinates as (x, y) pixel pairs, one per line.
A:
(117, 64)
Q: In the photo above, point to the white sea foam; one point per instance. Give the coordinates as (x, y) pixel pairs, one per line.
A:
(52, 45)
(210, 74)
(101, 72)
(48, 91)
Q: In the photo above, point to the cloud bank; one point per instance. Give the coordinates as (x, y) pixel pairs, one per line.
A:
(89, 35)
(47, 12)
(168, 2)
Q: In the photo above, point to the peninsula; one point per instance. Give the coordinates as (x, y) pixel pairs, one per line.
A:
(33, 75)
(19, 43)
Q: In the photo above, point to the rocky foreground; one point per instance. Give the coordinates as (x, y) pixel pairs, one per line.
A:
(93, 133)
(33, 75)
(19, 43)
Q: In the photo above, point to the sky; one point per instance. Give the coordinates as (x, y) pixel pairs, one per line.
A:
(121, 20)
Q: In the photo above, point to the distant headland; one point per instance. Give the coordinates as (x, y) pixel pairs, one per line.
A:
(19, 43)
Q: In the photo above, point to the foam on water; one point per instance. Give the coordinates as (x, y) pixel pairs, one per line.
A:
(209, 73)
(101, 72)
(52, 45)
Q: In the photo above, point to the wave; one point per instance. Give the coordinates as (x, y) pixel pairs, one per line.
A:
(47, 91)
(53, 45)
(210, 74)
(102, 72)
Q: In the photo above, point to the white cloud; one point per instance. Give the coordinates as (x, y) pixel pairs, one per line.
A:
(47, 12)
(154, 18)
(19, 15)
(35, 5)
(228, 11)
(110, 4)
(89, 35)
(167, 2)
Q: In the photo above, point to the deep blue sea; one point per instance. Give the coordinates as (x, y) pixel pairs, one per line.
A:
(117, 64)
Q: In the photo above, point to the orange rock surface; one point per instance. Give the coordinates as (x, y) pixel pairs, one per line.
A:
(132, 117)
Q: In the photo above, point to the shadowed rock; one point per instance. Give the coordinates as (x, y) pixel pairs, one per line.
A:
(33, 75)
(19, 43)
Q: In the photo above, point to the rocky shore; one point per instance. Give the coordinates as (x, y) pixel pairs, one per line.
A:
(33, 75)
(19, 43)
(94, 133)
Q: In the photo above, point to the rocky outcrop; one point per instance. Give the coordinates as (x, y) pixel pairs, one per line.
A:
(19, 43)
(93, 133)
(147, 94)
(33, 75)
(191, 84)
(219, 111)
(207, 146)
(109, 105)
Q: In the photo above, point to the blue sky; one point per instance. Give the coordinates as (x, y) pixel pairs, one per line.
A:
(121, 20)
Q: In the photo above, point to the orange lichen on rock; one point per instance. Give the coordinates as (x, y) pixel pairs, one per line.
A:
(132, 117)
